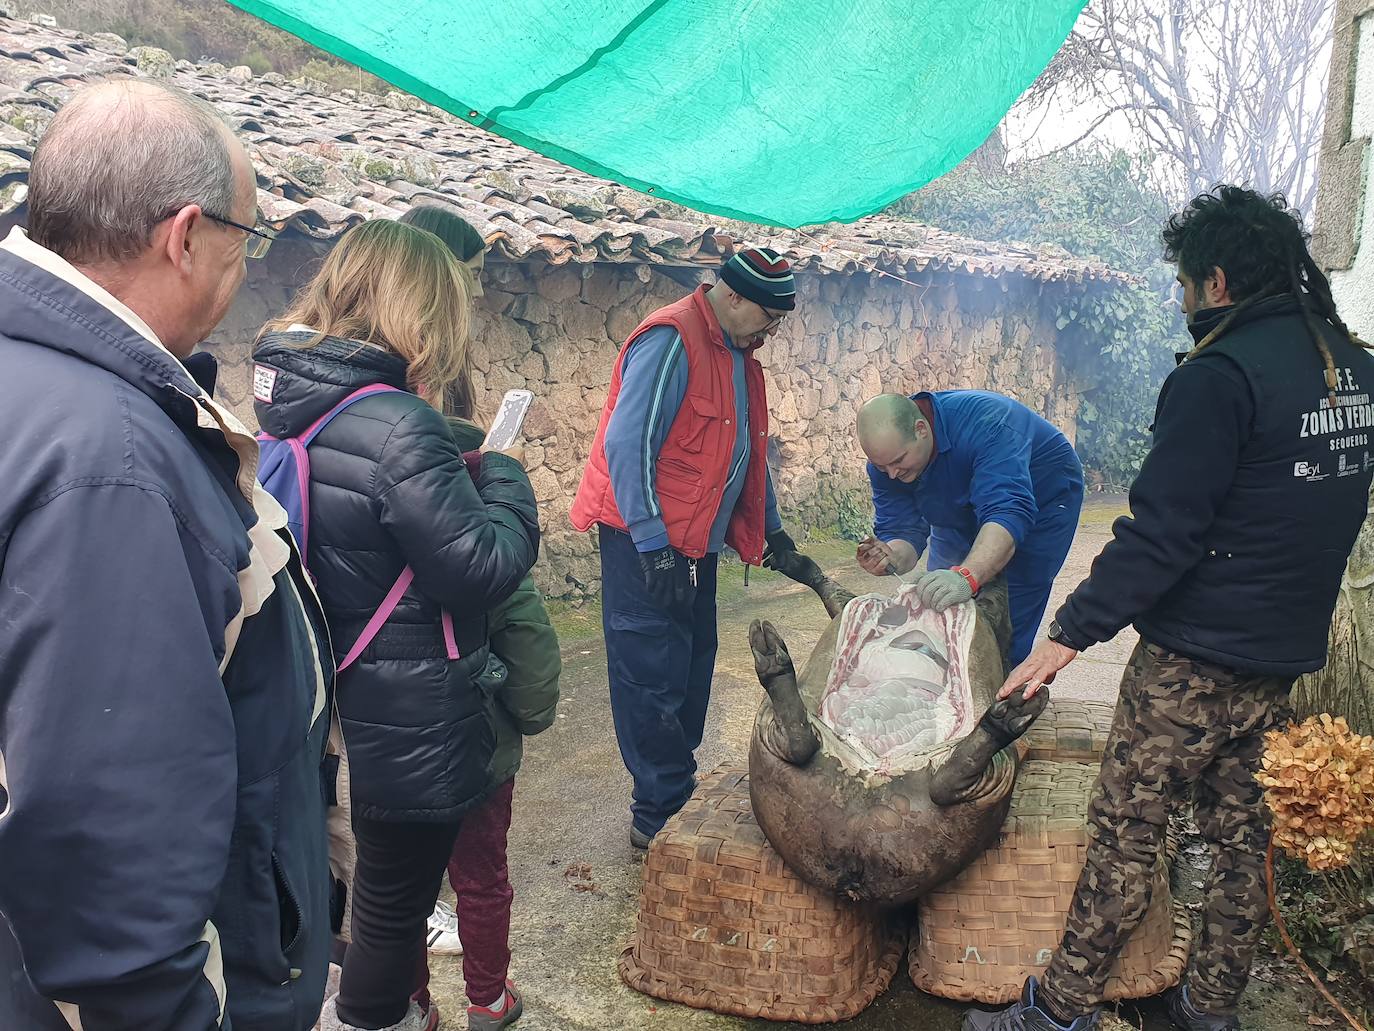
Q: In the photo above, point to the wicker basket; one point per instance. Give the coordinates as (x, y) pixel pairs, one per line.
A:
(1071, 731)
(983, 933)
(723, 925)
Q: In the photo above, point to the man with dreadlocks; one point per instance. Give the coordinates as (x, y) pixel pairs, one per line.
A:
(1241, 521)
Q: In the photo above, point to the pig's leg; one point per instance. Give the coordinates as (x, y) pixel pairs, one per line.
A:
(788, 734)
(796, 566)
(964, 775)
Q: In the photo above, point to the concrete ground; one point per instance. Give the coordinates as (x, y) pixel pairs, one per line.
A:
(577, 880)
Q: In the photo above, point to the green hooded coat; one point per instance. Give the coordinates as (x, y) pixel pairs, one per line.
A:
(525, 641)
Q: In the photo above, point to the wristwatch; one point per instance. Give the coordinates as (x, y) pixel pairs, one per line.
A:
(1057, 635)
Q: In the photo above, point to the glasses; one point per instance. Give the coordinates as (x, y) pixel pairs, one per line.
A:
(257, 241)
(773, 319)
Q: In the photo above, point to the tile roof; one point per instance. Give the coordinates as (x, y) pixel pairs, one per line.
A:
(326, 161)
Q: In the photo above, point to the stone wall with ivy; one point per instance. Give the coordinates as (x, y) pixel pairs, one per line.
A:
(557, 331)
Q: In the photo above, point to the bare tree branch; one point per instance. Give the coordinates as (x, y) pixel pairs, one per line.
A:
(1220, 90)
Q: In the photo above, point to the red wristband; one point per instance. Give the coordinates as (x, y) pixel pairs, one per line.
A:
(963, 571)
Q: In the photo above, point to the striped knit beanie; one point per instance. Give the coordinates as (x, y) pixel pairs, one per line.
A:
(760, 275)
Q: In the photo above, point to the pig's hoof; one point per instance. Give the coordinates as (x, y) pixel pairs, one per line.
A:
(770, 653)
(1008, 718)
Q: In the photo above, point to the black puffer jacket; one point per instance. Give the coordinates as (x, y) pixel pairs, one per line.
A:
(389, 488)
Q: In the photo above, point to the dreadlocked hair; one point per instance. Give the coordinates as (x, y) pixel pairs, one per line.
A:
(1260, 244)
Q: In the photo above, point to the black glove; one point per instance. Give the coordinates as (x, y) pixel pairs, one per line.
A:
(779, 543)
(665, 575)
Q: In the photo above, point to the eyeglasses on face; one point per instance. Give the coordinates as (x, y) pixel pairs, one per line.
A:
(775, 318)
(257, 241)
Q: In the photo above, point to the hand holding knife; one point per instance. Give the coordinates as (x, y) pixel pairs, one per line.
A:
(872, 547)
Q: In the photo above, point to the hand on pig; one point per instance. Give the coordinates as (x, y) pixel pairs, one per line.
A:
(943, 588)
(1038, 669)
(890, 558)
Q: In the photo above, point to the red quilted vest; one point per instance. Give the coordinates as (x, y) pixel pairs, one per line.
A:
(695, 459)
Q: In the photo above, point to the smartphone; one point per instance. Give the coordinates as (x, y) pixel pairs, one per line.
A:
(505, 428)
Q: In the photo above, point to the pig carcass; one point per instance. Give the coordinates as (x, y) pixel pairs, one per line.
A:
(888, 766)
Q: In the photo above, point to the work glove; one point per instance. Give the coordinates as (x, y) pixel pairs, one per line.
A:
(779, 544)
(665, 576)
(942, 588)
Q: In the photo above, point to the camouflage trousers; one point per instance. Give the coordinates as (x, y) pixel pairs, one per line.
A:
(1182, 728)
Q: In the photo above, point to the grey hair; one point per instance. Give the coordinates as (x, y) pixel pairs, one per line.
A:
(120, 157)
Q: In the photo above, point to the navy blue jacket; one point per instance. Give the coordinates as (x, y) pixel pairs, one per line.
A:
(996, 461)
(164, 691)
(1248, 504)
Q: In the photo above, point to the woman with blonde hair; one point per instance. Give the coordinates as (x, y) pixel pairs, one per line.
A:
(389, 492)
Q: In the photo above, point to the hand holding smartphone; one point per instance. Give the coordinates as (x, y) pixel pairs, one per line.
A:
(510, 417)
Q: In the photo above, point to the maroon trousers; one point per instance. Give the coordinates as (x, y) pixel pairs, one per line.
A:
(481, 880)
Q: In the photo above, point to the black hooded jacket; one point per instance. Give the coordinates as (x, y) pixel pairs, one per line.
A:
(1248, 504)
(388, 487)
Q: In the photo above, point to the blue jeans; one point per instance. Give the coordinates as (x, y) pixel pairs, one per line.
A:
(660, 665)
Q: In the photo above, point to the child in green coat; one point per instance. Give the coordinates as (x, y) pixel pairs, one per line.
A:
(526, 697)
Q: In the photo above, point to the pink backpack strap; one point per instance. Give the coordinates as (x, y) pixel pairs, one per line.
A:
(383, 613)
(307, 435)
(450, 641)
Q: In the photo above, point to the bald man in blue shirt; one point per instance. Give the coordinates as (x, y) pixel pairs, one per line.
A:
(984, 485)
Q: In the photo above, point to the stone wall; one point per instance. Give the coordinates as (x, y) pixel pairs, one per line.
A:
(1345, 217)
(557, 331)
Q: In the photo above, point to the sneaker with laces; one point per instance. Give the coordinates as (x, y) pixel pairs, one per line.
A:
(502, 1013)
(1187, 1017)
(442, 939)
(1026, 1015)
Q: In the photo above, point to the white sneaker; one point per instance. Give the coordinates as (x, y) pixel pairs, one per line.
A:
(443, 937)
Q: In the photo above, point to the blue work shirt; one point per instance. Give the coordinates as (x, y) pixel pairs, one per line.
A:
(996, 461)
(653, 385)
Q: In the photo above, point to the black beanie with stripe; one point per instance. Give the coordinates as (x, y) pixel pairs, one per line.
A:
(762, 276)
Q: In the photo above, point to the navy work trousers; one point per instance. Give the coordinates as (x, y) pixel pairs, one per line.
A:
(660, 665)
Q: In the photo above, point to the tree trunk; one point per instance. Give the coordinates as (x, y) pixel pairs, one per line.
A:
(1345, 687)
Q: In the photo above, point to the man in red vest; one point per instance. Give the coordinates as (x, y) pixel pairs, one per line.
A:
(677, 471)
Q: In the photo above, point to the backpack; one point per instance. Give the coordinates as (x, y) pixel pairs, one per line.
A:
(284, 472)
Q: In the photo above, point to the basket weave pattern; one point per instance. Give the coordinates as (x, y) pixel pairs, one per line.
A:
(724, 925)
(1070, 731)
(983, 933)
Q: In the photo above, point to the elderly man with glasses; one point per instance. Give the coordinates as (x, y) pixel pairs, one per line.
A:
(164, 664)
(677, 471)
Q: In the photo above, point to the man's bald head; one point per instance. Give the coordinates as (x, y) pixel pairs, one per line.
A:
(120, 157)
(889, 413)
(895, 436)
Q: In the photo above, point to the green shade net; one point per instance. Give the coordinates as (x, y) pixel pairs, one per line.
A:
(787, 113)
